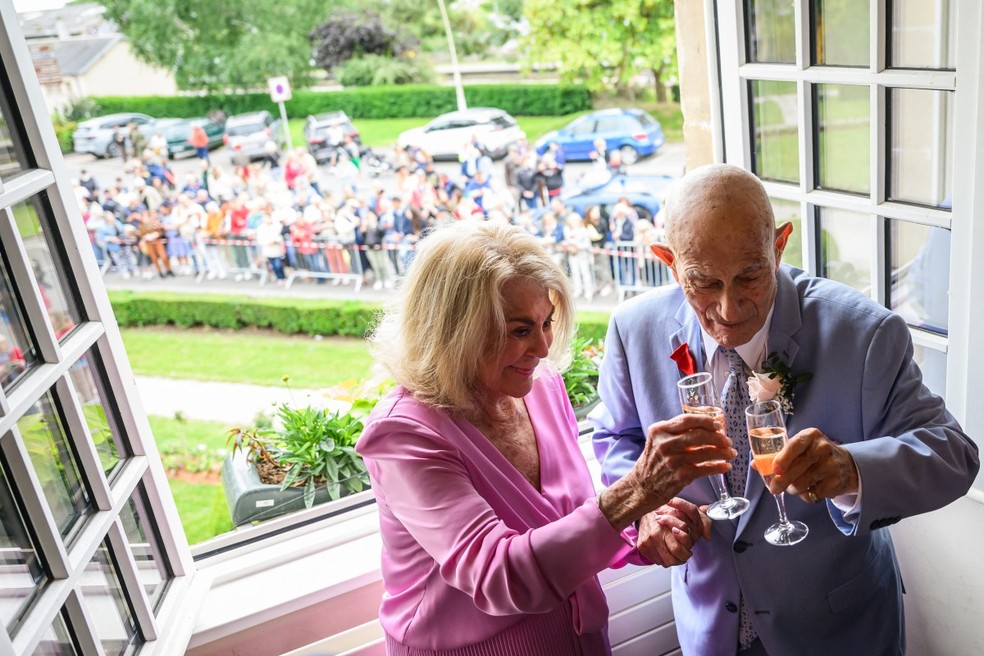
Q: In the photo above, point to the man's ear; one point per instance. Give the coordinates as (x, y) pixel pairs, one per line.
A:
(663, 252)
(782, 238)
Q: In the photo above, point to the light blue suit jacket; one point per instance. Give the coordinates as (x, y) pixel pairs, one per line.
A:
(840, 590)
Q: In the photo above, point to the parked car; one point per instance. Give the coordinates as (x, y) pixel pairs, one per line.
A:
(95, 135)
(445, 136)
(632, 132)
(246, 135)
(645, 193)
(317, 133)
(178, 130)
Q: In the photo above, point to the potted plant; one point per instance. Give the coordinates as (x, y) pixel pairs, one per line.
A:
(581, 378)
(306, 456)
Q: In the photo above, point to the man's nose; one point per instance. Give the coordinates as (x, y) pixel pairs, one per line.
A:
(728, 304)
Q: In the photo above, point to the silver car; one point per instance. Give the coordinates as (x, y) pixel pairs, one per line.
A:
(95, 135)
(446, 136)
(247, 135)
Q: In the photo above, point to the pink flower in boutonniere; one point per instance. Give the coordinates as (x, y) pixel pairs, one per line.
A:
(775, 381)
(684, 360)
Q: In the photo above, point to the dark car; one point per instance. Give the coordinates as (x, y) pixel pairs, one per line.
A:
(249, 136)
(645, 193)
(177, 131)
(318, 133)
(632, 132)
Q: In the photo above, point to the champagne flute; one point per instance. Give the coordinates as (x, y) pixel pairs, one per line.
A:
(766, 437)
(698, 397)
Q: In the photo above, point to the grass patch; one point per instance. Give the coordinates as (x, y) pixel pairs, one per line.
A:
(202, 509)
(249, 356)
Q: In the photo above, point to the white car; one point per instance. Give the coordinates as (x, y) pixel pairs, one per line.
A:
(445, 136)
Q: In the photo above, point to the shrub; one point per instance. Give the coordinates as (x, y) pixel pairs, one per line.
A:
(64, 129)
(375, 70)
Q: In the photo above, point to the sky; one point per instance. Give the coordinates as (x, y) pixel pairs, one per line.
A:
(37, 5)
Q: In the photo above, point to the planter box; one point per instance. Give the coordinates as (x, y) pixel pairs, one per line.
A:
(251, 500)
(581, 411)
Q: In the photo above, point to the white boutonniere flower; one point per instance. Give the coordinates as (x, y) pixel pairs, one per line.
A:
(775, 381)
(763, 386)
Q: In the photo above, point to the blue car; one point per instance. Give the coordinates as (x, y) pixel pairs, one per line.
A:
(645, 193)
(632, 132)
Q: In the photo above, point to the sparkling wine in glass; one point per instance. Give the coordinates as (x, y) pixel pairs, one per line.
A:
(766, 437)
(698, 397)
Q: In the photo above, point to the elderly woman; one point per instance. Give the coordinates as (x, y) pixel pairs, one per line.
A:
(493, 532)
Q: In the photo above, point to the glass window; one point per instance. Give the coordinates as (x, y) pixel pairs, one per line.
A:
(786, 210)
(846, 245)
(843, 125)
(772, 31)
(840, 33)
(57, 640)
(23, 575)
(774, 125)
(62, 310)
(16, 349)
(932, 363)
(108, 608)
(586, 126)
(921, 34)
(151, 566)
(920, 282)
(921, 137)
(103, 424)
(13, 156)
(53, 460)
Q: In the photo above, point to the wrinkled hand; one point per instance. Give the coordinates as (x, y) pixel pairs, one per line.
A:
(667, 535)
(677, 452)
(814, 467)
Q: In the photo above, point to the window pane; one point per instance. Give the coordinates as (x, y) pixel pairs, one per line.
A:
(920, 261)
(10, 141)
(103, 424)
(771, 32)
(56, 641)
(151, 566)
(922, 34)
(933, 366)
(54, 463)
(24, 577)
(921, 138)
(104, 597)
(62, 311)
(774, 126)
(846, 248)
(840, 32)
(843, 122)
(16, 350)
(786, 210)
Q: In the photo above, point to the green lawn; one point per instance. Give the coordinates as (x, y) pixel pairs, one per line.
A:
(259, 358)
(202, 509)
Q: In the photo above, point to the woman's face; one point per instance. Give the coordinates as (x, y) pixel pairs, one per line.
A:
(529, 334)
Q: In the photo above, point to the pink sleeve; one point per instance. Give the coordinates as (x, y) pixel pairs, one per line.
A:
(428, 489)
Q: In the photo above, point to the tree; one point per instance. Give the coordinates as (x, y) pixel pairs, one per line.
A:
(217, 46)
(603, 43)
(347, 34)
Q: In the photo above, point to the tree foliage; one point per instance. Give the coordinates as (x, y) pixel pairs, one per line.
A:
(228, 45)
(355, 33)
(603, 43)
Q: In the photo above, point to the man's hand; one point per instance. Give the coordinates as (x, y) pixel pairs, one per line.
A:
(667, 535)
(814, 467)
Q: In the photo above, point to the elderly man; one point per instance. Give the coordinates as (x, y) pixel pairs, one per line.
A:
(869, 444)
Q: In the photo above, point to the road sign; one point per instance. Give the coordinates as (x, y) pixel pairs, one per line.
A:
(279, 89)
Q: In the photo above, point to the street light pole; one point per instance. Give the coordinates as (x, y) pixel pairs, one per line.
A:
(459, 90)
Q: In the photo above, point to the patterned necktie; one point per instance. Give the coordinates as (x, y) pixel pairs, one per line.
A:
(735, 399)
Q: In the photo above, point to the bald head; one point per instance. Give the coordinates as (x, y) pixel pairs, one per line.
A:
(717, 198)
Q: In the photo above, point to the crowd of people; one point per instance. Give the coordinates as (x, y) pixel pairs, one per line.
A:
(287, 213)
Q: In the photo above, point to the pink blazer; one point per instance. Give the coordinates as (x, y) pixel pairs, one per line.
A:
(470, 548)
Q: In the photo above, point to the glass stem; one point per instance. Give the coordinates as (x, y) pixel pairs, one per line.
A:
(721, 488)
(781, 502)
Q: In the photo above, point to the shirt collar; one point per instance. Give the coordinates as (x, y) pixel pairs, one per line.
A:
(753, 351)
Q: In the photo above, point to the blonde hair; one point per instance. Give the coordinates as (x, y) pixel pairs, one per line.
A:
(434, 337)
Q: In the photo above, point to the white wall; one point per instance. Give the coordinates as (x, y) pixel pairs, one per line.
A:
(120, 73)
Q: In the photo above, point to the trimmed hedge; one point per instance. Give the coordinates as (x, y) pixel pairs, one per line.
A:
(401, 101)
(286, 315)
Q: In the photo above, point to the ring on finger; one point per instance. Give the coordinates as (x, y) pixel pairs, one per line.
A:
(813, 497)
